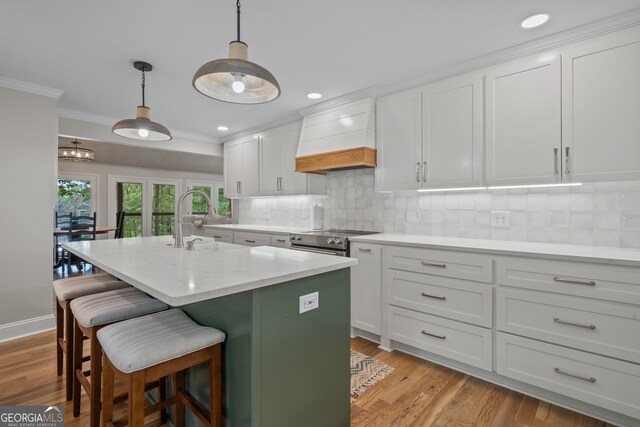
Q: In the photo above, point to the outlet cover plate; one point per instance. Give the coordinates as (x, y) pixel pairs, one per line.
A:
(309, 302)
(266, 214)
(500, 219)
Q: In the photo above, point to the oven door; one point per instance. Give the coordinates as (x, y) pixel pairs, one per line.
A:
(319, 250)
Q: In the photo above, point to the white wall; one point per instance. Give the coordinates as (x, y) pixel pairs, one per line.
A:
(103, 171)
(28, 147)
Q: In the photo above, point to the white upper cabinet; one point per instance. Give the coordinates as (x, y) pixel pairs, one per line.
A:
(278, 147)
(452, 132)
(523, 126)
(241, 167)
(399, 141)
(601, 107)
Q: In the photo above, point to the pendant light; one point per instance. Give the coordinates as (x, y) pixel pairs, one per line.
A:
(142, 127)
(235, 79)
(76, 153)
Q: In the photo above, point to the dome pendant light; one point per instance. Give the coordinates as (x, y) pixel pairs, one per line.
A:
(142, 127)
(236, 79)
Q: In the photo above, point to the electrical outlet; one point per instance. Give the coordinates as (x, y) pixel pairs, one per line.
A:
(266, 214)
(309, 302)
(500, 219)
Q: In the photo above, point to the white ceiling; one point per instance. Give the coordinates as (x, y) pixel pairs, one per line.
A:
(330, 46)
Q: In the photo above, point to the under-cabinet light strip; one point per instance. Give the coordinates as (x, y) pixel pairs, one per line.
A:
(499, 187)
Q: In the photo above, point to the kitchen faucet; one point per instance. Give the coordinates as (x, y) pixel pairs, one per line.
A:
(177, 228)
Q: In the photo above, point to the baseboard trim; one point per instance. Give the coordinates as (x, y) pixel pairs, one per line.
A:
(24, 328)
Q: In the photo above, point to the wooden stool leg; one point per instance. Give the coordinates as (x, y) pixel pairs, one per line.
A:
(96, 378)
(178, 387)
(59, 336)
(162, 396)
(68, 319)
(77, 368)
(215, 385)
(107, 391)
(136, 399)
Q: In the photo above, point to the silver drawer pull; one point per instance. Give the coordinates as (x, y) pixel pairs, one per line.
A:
(580, 325)
(577, 282)
(580, 377)
(433, 296)
(433, 264)
(217, 237)
(250, 241)
(280, 240)
(364, 250)
(440, 337)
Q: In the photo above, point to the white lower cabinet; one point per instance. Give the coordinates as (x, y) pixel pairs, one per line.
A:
(219, 235)
(280, 241)
(251, 239)
(366, 288)
(601, 381)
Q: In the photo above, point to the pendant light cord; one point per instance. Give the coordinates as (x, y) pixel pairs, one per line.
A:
(238, 12)
(143, 80)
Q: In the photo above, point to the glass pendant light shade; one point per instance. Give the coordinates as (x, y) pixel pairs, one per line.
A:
(142, 128)
(220, 79)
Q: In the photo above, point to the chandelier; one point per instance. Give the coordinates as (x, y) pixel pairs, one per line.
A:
(76, 153)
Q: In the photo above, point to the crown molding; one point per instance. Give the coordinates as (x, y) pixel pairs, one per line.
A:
(370, 92)
(261, 128)
(30, 88)
(109, 121)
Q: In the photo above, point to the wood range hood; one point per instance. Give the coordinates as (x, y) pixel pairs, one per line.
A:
(338, 138)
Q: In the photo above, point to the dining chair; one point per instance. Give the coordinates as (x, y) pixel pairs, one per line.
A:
(83, 227)
(63, 222)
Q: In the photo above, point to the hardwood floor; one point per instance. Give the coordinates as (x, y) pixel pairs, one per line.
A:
(417, 393)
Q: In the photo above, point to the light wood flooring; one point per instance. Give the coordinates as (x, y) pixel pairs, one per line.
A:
(417, 393)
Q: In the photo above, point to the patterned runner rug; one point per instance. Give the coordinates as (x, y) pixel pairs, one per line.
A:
(365, 372)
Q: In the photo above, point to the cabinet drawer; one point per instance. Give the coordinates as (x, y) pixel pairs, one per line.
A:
(251, 239)
(220, 235)
(459, 265)
(280, 241)
(455, 340)
(452, 298)
(598, 380)
(607, 282)
(605, 328)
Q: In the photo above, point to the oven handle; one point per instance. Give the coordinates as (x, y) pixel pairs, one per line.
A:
(318, 251)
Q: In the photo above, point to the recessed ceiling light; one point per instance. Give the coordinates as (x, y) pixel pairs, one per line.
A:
(314, 95)
(535, 20)
(223, 128)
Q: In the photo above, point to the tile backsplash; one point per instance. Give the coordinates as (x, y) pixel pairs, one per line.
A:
(601, 214)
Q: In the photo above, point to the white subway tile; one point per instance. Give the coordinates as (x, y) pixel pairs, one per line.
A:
(581, 236)
(630, 239)
(607, 220)
(581, 201)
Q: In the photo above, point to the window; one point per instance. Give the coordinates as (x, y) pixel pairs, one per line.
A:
(215, 191)
(74, 196)
(129, 200)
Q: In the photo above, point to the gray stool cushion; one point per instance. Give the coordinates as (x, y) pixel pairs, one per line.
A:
(67, 289)
(114, 306)
(102, 276)
(139, 343)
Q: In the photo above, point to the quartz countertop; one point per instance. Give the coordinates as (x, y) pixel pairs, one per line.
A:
(621, 256)
(214, 269)
(275, 229)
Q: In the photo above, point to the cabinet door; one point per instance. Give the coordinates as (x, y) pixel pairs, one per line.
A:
(399, 141)
(523, 121)
(601, 107)
(232, 169)
(366, 288)
(452, 132)
(271, 165)
(249, 185)
(291, 182)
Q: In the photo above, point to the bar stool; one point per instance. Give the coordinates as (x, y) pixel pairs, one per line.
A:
(91, 313)
(67, 290)
(146, 349)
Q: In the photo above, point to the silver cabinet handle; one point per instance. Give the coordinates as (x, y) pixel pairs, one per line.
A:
(364, 250)
(440, 337)
(240, 182)
(433, 296)
(238, 187)
(566, 161)
(577, 282)
(279, 183)
(555, 161)
(280, 240)
(217, 237)
(580, 377)
(250, 241)
(418, 172)
(433, 264)
(424, 171)
(580, 325)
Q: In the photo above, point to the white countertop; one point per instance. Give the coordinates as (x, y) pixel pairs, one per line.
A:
(275, 229)
(622, 256)
(214, 269)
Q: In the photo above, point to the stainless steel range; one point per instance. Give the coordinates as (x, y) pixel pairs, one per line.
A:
(331, 242)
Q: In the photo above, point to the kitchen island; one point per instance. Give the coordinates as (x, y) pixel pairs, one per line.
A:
(281, 367)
